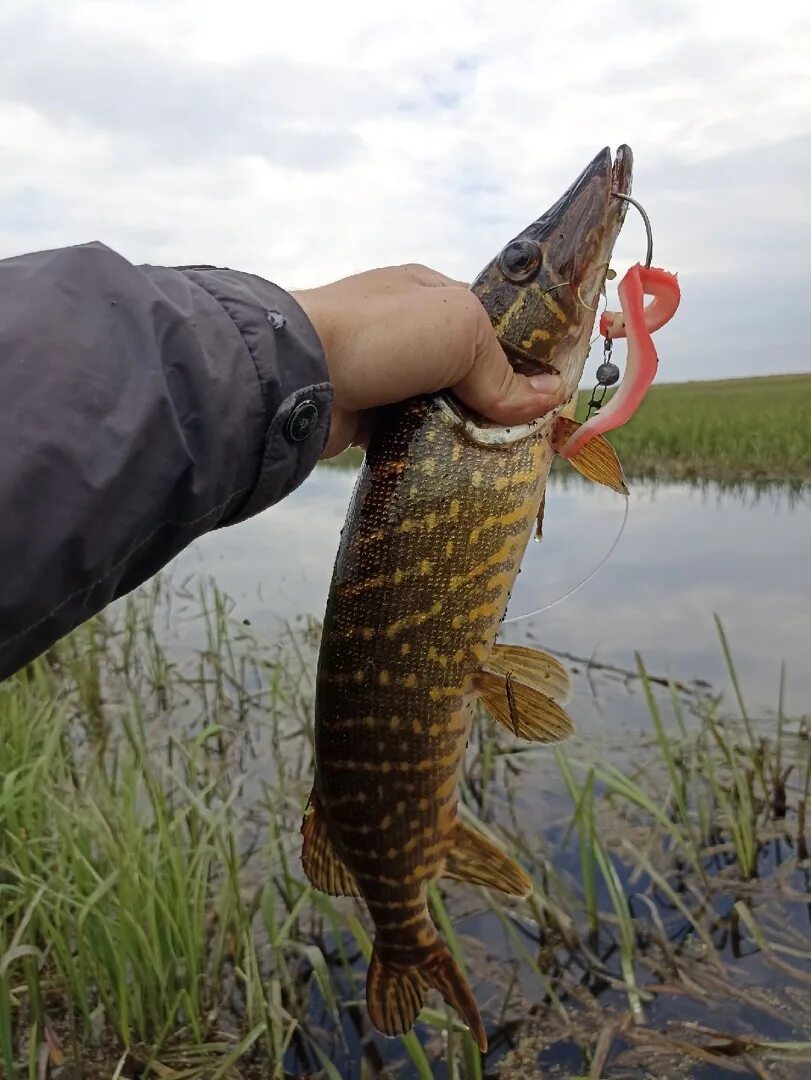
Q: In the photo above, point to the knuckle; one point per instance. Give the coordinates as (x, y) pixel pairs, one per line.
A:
(418, 270)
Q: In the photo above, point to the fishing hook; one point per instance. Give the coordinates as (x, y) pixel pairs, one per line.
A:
(645, 218)
(608, 372)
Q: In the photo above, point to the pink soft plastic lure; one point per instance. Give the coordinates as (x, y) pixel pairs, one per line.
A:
(636, 322)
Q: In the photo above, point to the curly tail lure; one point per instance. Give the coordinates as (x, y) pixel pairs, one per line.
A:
(636, 322)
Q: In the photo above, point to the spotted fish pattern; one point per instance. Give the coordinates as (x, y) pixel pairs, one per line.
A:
(434, 538)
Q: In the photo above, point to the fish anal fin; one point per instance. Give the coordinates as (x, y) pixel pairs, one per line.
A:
(478, 860)
(395, 993)
(533, 667)
(521, 709)
(322, 864)
(596, 460)
(442, 973)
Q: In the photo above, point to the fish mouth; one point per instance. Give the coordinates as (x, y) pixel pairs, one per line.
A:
(622, 176)
(576, 237)
(622, 170)
(580, 229)
(542, 289)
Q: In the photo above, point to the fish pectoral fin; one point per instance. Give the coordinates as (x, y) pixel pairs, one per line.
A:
(321, 862)
(533, 667)
(395, 992)
(522, 709)
(478, 860)
(597, 460)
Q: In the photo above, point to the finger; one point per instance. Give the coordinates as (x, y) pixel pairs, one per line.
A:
(364, 428)
(495, 390)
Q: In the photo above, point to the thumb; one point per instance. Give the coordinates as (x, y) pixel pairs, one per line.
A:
(492, 388)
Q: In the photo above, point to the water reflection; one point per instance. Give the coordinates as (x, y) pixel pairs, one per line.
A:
(686, 552)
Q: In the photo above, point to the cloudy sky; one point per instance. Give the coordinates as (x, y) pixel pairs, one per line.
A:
(307, 140)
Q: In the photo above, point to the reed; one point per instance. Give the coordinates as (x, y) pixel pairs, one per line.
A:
(727, 430)
(154, 916)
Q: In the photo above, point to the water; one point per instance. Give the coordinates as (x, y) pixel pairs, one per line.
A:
(685, 553)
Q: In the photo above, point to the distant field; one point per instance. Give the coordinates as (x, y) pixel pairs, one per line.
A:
(729, 430)
(735, 429)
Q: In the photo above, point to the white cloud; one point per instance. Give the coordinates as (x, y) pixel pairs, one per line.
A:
(308, 141)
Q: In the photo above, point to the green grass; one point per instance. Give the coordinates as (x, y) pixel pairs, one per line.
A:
(154, 918)
(730, 430)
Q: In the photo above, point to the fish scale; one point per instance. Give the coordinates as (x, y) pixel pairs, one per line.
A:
(438, 524)
(409, 706)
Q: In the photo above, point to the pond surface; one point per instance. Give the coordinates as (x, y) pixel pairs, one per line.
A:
(685, 553)
(682, 554)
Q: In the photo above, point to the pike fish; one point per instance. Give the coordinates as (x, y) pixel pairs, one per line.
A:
(442, 512)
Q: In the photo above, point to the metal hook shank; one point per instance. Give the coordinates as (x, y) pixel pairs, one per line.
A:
(645, 218)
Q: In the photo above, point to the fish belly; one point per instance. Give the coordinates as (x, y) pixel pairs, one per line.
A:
(435, 535)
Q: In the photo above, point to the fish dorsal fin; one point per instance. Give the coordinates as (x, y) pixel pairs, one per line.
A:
(321, 862)
(597, 460)
(476, 859)
(533, 667)
(517, 687)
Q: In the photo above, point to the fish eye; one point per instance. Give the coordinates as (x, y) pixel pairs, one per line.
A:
(520, 259)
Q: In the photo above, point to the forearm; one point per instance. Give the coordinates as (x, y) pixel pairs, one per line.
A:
(140, 407)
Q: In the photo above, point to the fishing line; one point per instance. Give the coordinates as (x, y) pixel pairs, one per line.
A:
(585, 581)
(605, 558)
(648, 259)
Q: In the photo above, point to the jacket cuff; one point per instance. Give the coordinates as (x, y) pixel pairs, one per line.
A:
(295, 440)
(293, 380)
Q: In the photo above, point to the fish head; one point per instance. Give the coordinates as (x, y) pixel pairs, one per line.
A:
(541, 290)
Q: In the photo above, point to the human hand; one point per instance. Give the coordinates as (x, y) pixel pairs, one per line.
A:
(394, 333)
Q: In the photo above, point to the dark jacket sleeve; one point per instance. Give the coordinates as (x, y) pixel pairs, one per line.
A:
(140, 407)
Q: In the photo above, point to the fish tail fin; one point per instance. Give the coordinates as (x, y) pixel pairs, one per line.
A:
(394, 995)
(395, 992)
(443, 974)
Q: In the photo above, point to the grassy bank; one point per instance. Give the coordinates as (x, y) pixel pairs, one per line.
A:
(734, 429)
(155, 922)
(729, 430)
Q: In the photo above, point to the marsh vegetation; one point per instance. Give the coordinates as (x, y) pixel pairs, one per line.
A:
(726, 430)
(154, 918)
